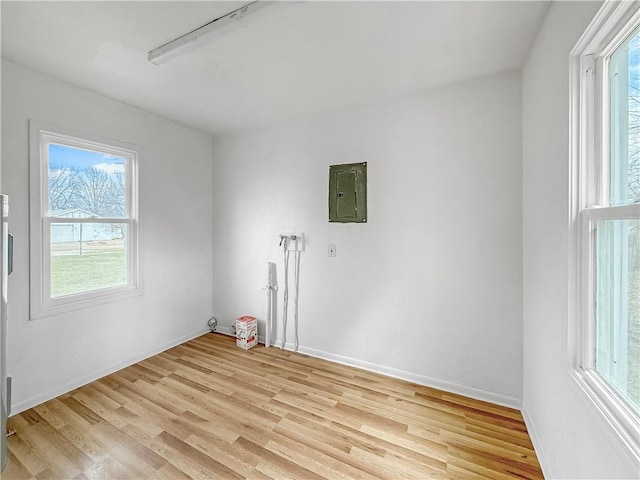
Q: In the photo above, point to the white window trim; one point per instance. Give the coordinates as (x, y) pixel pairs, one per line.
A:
(587, 144)
(41, 303)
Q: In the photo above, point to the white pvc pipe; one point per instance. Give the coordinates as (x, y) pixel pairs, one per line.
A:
(270, 288)
(296, 273)
(285, 295)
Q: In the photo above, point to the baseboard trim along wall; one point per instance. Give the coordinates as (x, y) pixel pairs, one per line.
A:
(537, 444)
(465, 390)
(424, 380)
(67, 387)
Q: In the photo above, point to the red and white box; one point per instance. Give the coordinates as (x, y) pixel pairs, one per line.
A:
(246, 332)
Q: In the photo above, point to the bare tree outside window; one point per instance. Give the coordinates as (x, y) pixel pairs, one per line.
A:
(62, 184)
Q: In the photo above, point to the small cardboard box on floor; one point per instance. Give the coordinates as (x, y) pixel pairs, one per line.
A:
(246, 332)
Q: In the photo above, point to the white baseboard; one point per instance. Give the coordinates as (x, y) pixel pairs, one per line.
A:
(224, 330)
(465, 390)
(535, 439)
(79, 382)
(419, 379)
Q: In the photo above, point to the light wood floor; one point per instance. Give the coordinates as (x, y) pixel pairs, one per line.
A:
(207, 409)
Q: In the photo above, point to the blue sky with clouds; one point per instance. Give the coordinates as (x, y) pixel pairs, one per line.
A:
(61, 156)
(634, 61)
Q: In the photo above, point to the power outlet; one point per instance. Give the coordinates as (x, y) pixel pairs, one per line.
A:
(331, 250)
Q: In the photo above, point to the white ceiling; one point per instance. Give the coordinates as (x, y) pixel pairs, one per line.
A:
(285, 60)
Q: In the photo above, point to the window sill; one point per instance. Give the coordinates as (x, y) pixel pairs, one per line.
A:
(623, 420)
(84, 301)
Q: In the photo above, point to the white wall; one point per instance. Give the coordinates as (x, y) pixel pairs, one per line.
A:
(430, 288)
(571, 438)
(52, 355)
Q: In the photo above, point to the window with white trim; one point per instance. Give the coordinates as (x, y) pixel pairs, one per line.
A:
(605, 323)
(84, 226)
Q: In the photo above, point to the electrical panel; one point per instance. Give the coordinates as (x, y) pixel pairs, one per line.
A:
(348, 193)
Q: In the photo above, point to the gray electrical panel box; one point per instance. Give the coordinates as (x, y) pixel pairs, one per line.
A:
(348, 193)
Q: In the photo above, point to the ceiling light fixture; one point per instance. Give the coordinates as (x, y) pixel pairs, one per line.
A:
(179, 45)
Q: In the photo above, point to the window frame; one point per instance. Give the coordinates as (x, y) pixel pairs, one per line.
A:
(42, 304)
(589, 191)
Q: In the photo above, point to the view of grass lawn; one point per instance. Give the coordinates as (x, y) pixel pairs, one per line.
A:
(97, 267)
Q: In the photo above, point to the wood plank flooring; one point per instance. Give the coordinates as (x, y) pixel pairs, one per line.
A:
(207, 409)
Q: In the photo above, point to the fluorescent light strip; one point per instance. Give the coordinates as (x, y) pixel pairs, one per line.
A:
(179, 45)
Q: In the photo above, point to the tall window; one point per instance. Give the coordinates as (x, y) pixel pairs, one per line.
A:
(84, 220)
(606, 174)
(615, 245)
